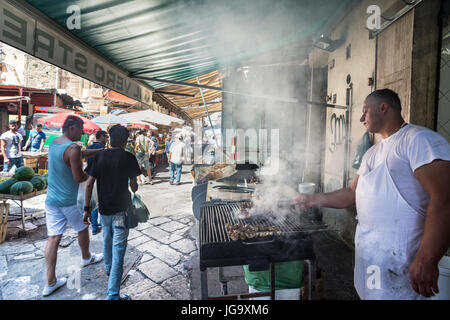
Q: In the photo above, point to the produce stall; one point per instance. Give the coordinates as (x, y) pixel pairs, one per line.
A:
(21, 186)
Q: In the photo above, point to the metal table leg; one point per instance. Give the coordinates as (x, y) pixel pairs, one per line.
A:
(22, 211)
(204, 284)
(272, 281)
(223, 282)
(311, 279)
(223, 279)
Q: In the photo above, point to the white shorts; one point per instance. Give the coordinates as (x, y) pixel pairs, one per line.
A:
(57, 218)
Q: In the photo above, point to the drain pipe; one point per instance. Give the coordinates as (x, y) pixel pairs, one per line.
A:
(308, 118)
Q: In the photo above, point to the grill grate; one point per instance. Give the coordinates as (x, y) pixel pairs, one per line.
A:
(214, 219)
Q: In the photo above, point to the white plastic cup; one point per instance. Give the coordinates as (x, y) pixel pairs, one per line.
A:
(307, 188)
(443, 280)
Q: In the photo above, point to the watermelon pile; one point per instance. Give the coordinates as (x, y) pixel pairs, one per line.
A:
(25, 181)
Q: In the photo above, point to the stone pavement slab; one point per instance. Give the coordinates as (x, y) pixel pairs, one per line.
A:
(171, 226)
(157, 271)
(8, 248)
(139, 288)
(137, 241)
(161, 236)
(185, 246)
(3, 267)
(155, 293)
(163, 252)
(134, 234)
(20, 288)
(178, 287)
(159, 220)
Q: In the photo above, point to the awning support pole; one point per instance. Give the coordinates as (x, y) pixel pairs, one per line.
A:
(20, 105)
(207, 113)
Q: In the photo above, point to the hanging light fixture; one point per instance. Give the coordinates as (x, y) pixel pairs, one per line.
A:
(325, 43)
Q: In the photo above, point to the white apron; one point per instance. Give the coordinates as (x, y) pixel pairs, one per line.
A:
(387, 238)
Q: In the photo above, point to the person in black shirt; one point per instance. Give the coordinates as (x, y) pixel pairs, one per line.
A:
(101, 138)
(113, 169)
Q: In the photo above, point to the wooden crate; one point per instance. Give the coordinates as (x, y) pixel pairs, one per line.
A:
(43, 163)
(4, 213)
(31, 162)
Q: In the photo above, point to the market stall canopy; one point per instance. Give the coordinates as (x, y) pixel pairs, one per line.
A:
(110, 120)
(51, 109)
(117, 97)
(128, 45)
(190, 99)
(14, 99)
(57, 121)
(153, 117)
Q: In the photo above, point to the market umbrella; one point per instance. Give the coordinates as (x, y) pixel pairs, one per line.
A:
(153, 117)
(110, 120)
(57, 120)
(143, 125)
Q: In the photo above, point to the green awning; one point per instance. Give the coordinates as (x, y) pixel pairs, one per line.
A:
(182, 39)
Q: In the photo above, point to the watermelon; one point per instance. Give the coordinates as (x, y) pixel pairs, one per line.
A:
(38, 182)
(24, 173)
(21, 186)
(5, 186)
(46, 180)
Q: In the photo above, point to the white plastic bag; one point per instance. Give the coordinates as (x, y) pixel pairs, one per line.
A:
(81, 196)
(13, 169)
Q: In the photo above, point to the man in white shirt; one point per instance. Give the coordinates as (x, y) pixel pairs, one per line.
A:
(176, 153)
(11, 147)
(142, 149)
(92, 138)
(402, 198)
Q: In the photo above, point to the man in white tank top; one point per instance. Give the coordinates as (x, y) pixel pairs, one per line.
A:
(402, 197)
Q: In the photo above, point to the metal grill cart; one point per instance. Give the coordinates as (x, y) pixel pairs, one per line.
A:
(291, 241)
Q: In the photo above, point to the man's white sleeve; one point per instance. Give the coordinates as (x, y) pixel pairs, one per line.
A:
(425, 147)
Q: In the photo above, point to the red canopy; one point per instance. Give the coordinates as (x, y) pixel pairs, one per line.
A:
(57, 120)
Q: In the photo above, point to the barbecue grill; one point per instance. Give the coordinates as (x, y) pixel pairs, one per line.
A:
(290, 242)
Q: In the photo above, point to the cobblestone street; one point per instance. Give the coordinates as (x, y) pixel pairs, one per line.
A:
(158, 261)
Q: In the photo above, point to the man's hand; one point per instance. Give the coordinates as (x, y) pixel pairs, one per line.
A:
(87, 218)
(6, 160)
(24, 148)
(304, 201)
(424, 277)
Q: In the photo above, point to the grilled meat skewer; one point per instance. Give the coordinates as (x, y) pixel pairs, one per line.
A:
(248, 231)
